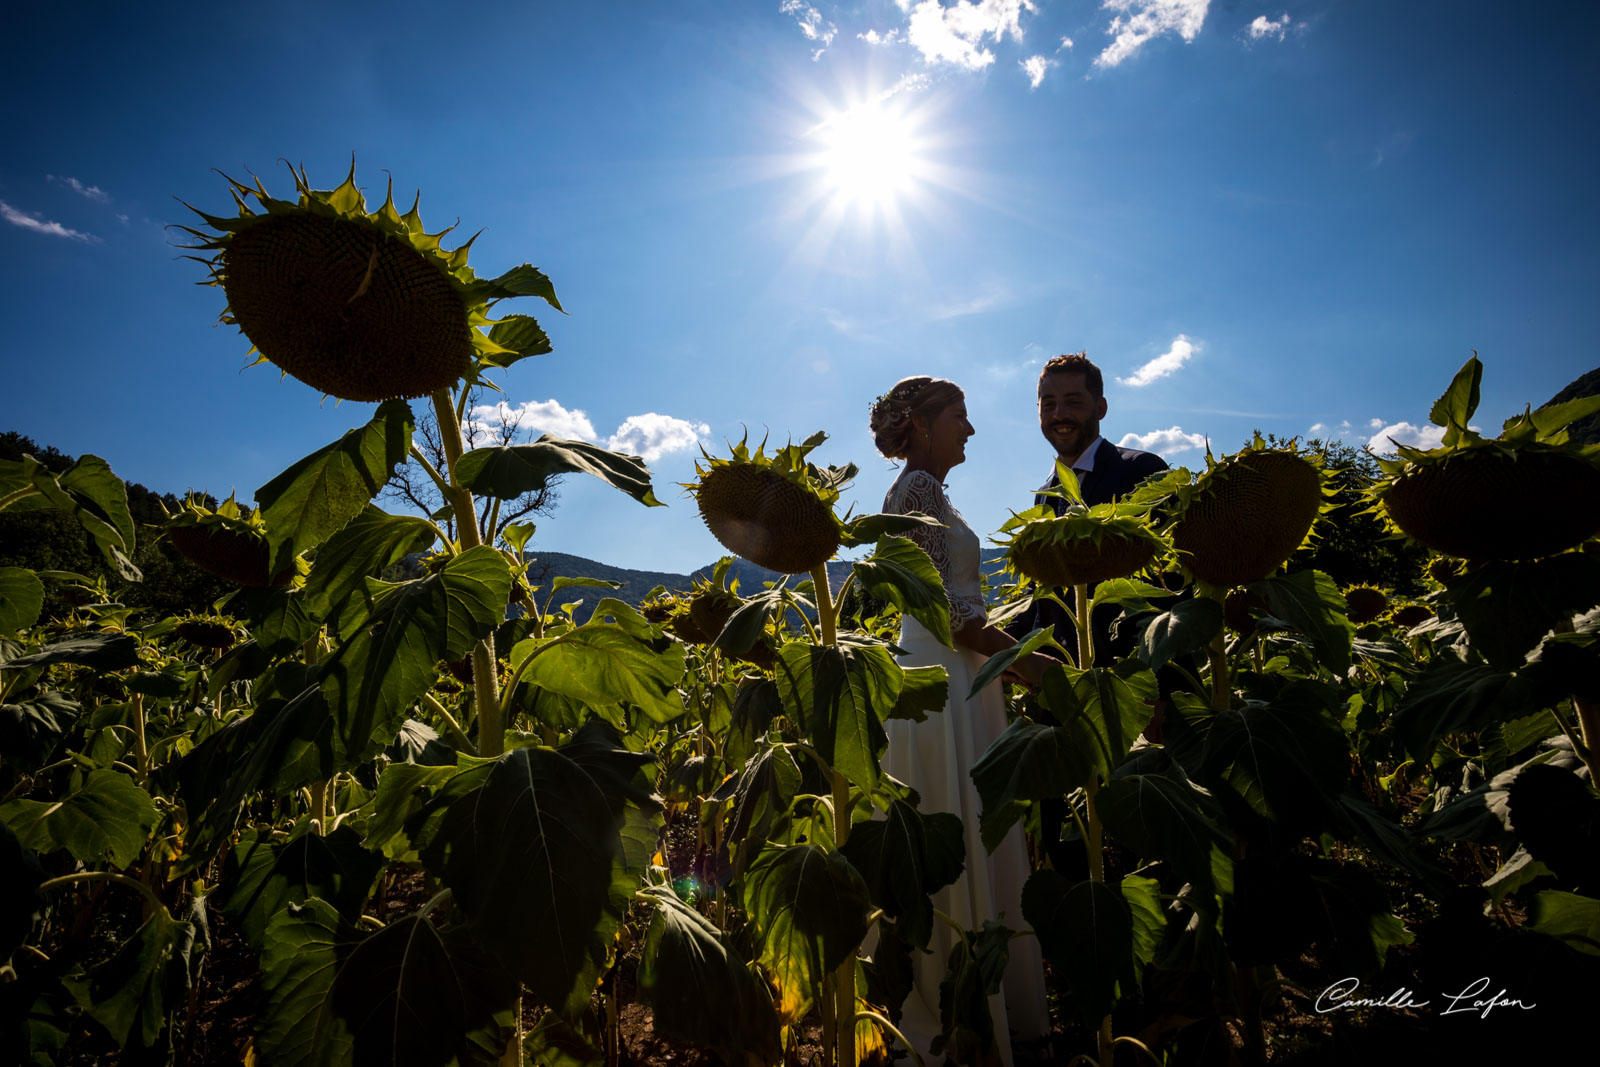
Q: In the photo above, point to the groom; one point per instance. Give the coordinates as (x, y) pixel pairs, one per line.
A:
(1072, 402)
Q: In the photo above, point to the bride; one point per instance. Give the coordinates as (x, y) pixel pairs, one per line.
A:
(923, 421)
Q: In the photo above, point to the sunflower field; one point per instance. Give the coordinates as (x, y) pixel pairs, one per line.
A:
(385, 805)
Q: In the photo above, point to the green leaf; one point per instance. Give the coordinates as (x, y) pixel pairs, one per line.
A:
(386, 666)
(1454, 409)
(535, 857)
(1143, 897)
(894, 858)
(1103, 710)
(371, 541)
(1310, 601)
(514, 338)
(88, 490)
(1285, 761)
(300, 958)
(1086, 932)
(315, 498)
(554, 1042)
(922, 691)
(99, 652)
(1569, 918)
(1026, 763)
(127, 993)
(809, 909)
(1184, 628)
(526, 280)
(21, 600)
(1001, 661)
(1451, 696)
(760, 793)
(107, 819)
(508, 471)
(698, 988)
(973, 973)
(1163, 818)
(414, 994)
(1553, 417)
(830, 701)
(602, 663)
(30, 729)
(1507, 608)
(267, 875)
(900, 572)
(868, 529)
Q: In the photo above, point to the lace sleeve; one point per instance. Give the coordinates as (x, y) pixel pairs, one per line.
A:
(920, 491)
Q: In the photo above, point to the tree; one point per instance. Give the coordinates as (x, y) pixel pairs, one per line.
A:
(415, 484)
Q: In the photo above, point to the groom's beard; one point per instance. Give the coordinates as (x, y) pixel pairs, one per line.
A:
(1070, 437)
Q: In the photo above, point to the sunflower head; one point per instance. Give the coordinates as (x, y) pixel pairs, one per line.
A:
(1409, 615)
(1528, 493)
(1247, 513)
(1364, 603)
(216, 632)
(775, 511)
(361, 305)
(226, 542)
(1082, 546)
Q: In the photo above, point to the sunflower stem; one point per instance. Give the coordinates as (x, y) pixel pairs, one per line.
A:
(844, 978)
(1080, 598)
(491, 734)
(1589, 722)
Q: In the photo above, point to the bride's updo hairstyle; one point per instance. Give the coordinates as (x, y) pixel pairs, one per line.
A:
(892, 413)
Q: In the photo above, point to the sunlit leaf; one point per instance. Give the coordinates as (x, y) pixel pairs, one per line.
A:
(508, 471)
(699, 989)
(106, 820)
(900, 572)
(809, 911)
(21, 600)
(316, 497)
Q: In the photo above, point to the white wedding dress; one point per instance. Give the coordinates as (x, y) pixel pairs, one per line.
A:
(936, 757)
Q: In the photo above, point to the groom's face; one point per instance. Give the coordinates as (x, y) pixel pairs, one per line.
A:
(1069, 415)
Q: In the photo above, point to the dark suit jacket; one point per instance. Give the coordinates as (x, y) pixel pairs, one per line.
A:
(1116, 472)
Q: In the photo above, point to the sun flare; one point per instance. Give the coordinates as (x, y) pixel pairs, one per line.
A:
(870, 155)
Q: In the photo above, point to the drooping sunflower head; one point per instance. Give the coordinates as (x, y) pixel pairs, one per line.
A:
(1082, 547)
(226, 542)
(1529, 493)
(361, 305)
(775, 511)
(1247, 514)
(215, 632)
(1364, 603)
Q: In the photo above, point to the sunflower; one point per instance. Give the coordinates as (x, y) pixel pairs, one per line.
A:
(1247, 514)
(361, 305)
(775, 511)
(226, 542)
(1528, 493)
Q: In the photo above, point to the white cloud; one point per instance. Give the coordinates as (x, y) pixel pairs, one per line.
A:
(955, 34)
(652, 435)
(1166, 442)
(33, 222)
(1036, 67)
(874, 37)
(1140, 20)
(1163, 365)
(1066, 43)
(89, 192)
(992, 296)
(538, 417)
(1425, 435)
(1404, 433)
(1265, 27)
(811, 24)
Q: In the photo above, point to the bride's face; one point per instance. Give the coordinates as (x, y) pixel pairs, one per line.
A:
(947, 435)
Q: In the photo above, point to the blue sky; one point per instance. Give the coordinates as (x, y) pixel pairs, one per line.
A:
(1252, 215)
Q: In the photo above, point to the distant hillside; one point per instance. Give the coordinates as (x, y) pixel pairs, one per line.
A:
(1586, 431)
(635, 584)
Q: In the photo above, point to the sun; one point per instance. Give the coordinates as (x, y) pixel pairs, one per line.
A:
(870, 155)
